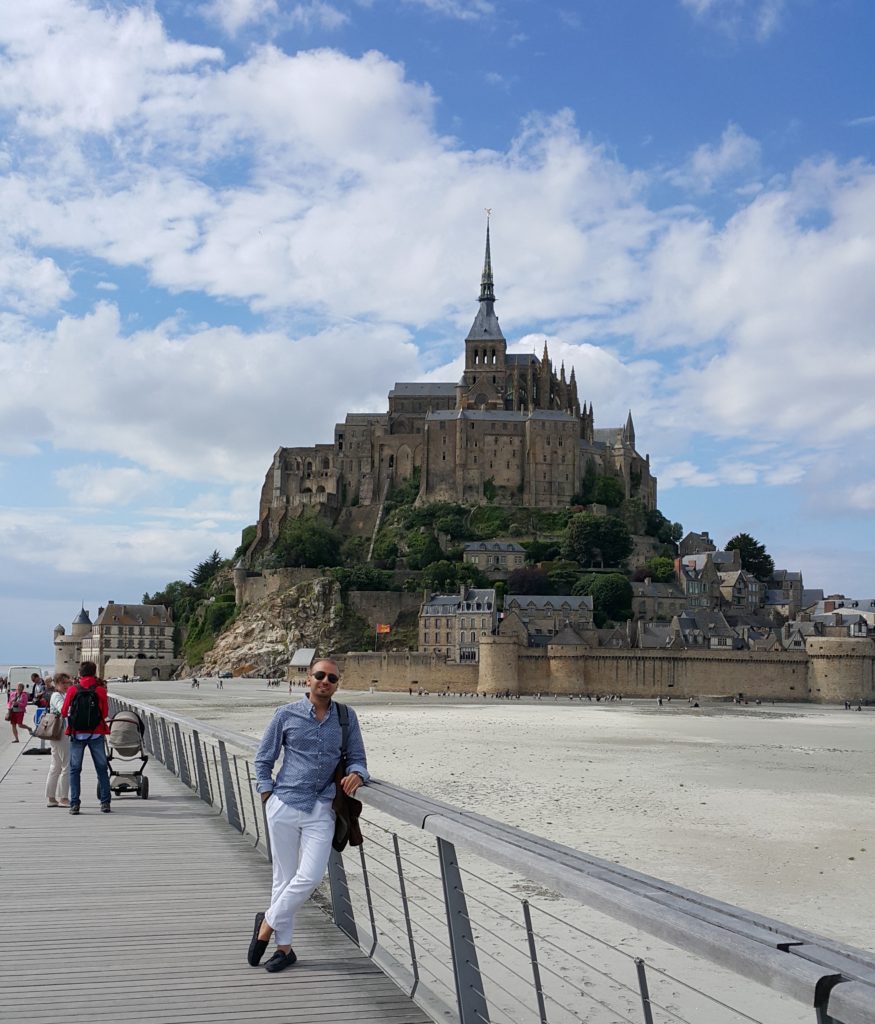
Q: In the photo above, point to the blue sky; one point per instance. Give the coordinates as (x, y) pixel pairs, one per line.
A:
(225, 224)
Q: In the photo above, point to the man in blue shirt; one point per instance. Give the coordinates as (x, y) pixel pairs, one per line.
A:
(298, 803)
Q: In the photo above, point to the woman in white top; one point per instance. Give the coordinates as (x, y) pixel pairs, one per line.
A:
(58, 781)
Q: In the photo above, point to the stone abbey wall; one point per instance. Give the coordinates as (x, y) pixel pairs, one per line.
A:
(832, 670)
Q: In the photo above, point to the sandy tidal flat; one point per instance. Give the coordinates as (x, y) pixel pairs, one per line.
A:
(770, 808)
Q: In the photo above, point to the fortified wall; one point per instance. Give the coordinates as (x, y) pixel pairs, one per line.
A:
(831, 670)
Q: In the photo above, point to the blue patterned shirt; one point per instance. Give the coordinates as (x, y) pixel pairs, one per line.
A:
(311, 750)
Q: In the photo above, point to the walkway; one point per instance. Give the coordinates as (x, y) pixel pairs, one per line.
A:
(144, 915)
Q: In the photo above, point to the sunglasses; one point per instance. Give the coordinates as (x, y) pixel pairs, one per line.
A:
(332, 678)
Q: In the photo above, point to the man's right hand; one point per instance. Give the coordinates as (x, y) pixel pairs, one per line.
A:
(265, 797)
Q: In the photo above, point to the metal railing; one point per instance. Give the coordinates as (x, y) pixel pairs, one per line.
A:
(525, 930)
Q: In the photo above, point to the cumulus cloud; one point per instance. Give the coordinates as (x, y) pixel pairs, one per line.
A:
(233, 15)
(198, 405)
(736, 153)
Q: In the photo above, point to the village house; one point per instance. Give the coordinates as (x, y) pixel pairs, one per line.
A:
(450, 625)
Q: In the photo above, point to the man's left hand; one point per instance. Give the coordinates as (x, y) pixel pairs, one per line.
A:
(350, 783)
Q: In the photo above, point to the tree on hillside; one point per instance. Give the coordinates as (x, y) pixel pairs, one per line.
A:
(611, 596)
(665, 531)
(529, 581)
(597, 540)
(609, 491)
(204, 571)
(754, 557)
(308, 541)
(658, 569)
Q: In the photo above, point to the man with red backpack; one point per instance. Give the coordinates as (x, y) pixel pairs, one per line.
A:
(86, 709)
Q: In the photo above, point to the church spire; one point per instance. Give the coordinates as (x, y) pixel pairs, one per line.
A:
(629, 430)
(485, 326)
(487, 286)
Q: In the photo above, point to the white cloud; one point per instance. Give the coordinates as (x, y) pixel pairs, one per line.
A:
(684, 474)
(99, 486)
(204, 405)
(858, 122)
(736, 153)
(463, 10)
(54, 540)
(736, 17)
(67, 66)
(235, 14)
(30, 283)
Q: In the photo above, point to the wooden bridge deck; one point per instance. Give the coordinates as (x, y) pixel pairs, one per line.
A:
(145, 914)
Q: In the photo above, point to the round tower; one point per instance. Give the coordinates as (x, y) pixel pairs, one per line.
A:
(840, 668)
(499, 664)
(239, 584)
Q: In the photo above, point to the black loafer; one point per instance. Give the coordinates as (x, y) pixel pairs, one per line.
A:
(280, 961)
(257, 946)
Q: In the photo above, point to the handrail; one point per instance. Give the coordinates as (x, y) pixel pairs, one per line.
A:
(835, 979)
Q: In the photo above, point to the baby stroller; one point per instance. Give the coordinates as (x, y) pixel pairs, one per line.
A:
(125, 741)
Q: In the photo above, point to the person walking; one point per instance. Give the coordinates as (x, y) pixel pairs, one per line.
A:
(16, 705)
(86, 709)
(300, 820)
(58, 779)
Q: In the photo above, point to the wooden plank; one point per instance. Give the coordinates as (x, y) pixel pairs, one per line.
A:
(146, 914)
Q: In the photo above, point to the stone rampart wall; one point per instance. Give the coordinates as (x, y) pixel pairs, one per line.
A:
(398, 672)
(668, 673)
(839, 673)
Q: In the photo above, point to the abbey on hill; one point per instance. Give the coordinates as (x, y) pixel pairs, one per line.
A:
(510, 431)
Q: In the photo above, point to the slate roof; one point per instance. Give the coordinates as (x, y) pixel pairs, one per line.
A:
(303, 657)
(652, 635)
(135, 615)
(495, 545)
(554, 601)
(449, 604)
(422, 389)
(82, 619)
(717, 557)
(499, 415)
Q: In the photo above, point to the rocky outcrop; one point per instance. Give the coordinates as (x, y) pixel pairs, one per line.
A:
(265, 633)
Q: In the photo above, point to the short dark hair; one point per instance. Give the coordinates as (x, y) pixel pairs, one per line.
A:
(87, 668)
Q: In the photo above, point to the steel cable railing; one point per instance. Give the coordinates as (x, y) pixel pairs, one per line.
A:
(468, 949)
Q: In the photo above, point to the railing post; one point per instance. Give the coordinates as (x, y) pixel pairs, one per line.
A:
(536, 970)
(203, 786)
(219, 788)
(645, 991)
(466, 969)
(184, 773)
(402, 888)
(169, 760)
(371, 917)
(341, 905)
(231, 810)
(239, 793)
(251, 787)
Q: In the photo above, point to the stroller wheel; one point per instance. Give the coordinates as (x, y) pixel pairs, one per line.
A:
(144, 788)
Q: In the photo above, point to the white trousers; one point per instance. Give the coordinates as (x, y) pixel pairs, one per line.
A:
(301, 844)
(58, 779)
